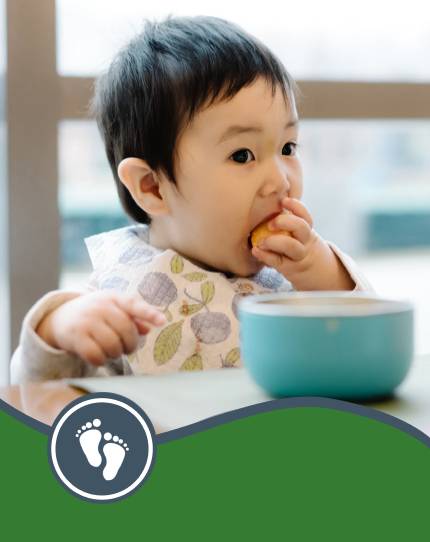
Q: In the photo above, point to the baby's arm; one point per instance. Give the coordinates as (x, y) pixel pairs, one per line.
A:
(73, 334)
(35, 360)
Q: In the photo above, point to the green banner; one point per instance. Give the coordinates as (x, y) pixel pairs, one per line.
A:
(304, 473)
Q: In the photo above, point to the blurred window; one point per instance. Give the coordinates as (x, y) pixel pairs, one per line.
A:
(378, 41)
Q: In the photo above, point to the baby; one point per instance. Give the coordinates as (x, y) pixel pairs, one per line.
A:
(200, 127)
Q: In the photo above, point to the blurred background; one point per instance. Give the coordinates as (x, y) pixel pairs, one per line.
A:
(364, 73)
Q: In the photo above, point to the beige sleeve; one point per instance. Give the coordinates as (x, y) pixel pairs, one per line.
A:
(35, 360)
(361, 282)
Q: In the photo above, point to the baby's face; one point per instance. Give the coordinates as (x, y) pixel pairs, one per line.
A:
(230, 180)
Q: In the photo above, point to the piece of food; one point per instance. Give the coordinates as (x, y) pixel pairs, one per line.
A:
(262, 231)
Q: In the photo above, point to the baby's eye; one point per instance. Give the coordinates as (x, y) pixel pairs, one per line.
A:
(241, 156)
(290, 148)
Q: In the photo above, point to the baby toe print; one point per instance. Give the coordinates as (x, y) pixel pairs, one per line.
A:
(89, 439)
(114, 453)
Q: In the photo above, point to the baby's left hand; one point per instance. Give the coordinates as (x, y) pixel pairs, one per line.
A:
(303, 257)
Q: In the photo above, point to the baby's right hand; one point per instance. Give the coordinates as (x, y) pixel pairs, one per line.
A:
(99, 325)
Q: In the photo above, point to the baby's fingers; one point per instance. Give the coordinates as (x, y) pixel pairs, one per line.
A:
(282, 246)
(298, 209)
(124, 326)
(137, 308)
(108, 340)
(296, 226)
(142, 326)
(88, 350)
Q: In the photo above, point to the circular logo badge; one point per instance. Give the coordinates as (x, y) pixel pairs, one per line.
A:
(102, 446)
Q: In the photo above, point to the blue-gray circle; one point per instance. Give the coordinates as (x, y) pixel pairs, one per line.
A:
(131, 454)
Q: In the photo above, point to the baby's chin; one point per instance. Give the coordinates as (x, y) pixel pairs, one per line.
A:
(251, 270)
(240, 263)
(246, 265)
(235, 268)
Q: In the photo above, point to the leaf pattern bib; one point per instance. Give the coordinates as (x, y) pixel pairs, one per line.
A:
(202, 329)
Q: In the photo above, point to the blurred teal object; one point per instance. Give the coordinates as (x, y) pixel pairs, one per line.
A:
(346, 345)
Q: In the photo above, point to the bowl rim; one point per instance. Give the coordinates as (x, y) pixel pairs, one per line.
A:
(254, 304)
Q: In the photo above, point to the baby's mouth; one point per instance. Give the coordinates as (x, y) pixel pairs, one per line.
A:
(266, 219)
(249, 241)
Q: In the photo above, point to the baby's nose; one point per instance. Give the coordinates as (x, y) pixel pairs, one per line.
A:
(275, 180)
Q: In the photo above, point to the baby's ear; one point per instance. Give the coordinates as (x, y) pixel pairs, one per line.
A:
(143, 185)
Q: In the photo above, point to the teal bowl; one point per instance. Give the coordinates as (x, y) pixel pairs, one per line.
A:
(346, 345)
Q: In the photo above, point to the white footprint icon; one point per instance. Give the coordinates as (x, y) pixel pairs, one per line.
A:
(89, 439)
(114, 452)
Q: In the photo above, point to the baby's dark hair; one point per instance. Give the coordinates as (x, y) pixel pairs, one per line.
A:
(163, 77)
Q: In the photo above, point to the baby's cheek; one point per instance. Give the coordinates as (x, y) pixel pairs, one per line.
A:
(296, 190)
